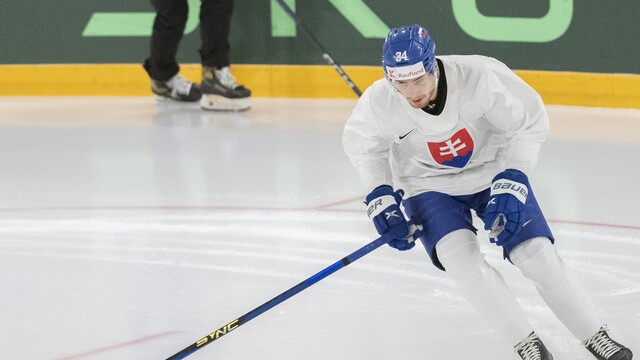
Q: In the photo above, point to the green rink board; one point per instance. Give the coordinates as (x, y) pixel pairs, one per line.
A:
(558, 35)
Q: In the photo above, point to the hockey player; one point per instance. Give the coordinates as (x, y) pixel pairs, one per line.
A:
(461, 133)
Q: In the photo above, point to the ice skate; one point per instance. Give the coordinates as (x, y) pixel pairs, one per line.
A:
(177, 88)
(603, 348)
(532, 348)
(221, 92)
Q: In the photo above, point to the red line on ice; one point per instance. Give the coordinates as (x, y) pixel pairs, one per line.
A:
(117, 346)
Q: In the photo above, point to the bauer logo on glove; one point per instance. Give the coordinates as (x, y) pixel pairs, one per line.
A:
(383, 208)
(504, 186)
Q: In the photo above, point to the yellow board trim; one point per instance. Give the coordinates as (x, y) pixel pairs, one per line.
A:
(297, 81)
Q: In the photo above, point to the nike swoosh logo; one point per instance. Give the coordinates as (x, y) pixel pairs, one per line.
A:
(405, 135)
(526, 223)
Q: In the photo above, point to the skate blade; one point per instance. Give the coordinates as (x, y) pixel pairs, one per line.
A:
(221, 103)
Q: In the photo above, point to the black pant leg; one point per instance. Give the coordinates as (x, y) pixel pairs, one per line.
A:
(168, 28)
(215, 24)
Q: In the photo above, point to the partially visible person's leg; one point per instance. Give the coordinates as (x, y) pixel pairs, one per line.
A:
(215, 26)
(168, 28)
(221, 92)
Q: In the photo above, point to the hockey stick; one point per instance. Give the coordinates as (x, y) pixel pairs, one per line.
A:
(282, 297)
(325, 53)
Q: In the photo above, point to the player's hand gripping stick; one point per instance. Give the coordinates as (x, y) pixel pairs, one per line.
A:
(383, 208)
(505, 212)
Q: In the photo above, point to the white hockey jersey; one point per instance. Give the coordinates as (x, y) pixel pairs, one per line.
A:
(492, 120)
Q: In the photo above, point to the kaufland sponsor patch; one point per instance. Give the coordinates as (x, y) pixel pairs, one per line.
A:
(406, 72)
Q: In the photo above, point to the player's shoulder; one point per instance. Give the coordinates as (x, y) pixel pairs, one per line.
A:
(469, 65)
(378, 86)
(471, 61)
(380, 90)
(474, 71)
(378, 101)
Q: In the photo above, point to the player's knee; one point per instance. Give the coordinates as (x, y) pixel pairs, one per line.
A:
(538, 260)
(460, 254)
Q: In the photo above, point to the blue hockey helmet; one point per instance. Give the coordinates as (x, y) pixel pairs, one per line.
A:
(408, 52)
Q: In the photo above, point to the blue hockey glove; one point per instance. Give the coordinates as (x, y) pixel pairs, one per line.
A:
(415, 231)
(504, 215)
(383, 207)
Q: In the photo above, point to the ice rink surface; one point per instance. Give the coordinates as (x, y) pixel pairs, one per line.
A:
(130, 228)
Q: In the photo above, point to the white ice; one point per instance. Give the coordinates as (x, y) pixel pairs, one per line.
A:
(131, 228)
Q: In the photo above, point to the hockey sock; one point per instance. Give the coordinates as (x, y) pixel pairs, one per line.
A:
(482, 286)
(538, 260)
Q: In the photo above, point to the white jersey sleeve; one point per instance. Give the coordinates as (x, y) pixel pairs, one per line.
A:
(366, 146)
(518, 112)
